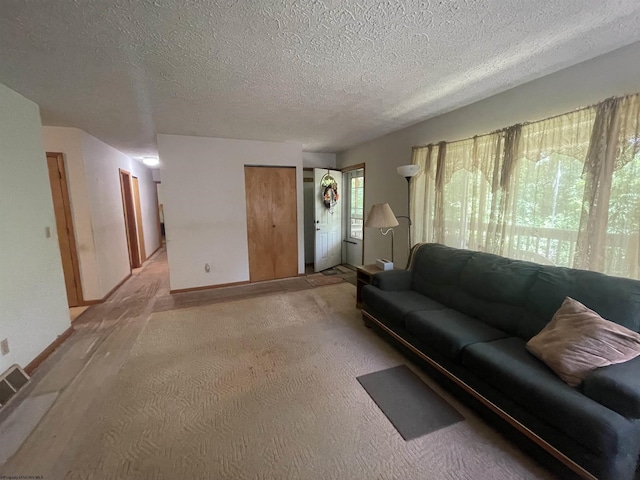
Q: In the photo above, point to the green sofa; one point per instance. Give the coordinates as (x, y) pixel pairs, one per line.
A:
(470, 314)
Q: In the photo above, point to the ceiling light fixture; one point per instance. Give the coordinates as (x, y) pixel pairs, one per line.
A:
(150, 161)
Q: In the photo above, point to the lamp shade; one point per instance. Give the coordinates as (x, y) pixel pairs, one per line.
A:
(408, 170)
(381, 216)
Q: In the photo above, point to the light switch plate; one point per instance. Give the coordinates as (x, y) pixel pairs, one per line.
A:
(4, 347)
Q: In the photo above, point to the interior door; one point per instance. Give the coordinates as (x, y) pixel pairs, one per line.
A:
(130, 219)
(64, 228)
(328, 218)
(138, 208)
(272, 222)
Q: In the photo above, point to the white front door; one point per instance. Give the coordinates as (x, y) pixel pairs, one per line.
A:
(328, 218)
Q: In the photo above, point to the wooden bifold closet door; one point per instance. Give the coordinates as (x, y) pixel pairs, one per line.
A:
(272, 226)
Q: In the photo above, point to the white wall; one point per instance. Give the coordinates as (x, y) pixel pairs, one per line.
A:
(205, 209)
(33, 301)
(102, 163)
(318, 160)
(96, 203)
(613, 74)
(69, 142)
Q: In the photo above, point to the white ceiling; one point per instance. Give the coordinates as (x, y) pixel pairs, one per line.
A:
(328, 74)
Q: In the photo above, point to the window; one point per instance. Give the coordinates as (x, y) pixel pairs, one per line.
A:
(356, 204)
(561, 191)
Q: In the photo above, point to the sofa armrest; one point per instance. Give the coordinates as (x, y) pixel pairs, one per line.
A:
(392, 280)
(616, 387)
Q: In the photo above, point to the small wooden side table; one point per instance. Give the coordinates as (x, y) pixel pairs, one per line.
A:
(363, 277)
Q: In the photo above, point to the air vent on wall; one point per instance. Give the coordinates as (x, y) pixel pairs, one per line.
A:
(10, 382)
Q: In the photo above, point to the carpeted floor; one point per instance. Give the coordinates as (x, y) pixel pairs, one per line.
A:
(266, 388)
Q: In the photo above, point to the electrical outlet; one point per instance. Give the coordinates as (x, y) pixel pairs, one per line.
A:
(47, 232)
(4, 347)
(207, 267)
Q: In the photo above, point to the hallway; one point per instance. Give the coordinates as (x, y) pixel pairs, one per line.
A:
(41, 427)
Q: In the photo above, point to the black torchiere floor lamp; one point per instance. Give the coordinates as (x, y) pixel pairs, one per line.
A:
(408, 171)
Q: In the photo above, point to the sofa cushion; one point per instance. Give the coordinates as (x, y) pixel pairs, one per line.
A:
(529, 325)
(507, 366)
(616, 387)
(436, 265)
(577, 341)
(392, 280)
(449, 331)
(498, 279)
(616, 299)
(502, 316)
(392, 306)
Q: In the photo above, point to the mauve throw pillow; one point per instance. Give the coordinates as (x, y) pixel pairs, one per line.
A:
(578, 340)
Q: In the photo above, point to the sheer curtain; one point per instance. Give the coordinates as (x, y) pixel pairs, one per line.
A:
(471, 192)
(610, 222)
(422, 198)
(562, 191)
(546, 188)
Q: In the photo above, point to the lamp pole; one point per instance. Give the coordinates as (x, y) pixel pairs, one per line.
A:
(392, 237)
(407, 215)
(408, 171)
(409, 210)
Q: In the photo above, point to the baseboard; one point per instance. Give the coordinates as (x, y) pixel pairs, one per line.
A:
(154, 252)
(208, 287)
(113, 290)
(88, 303)
(48, 351)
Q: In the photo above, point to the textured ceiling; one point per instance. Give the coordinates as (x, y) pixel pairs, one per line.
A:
(328, 74)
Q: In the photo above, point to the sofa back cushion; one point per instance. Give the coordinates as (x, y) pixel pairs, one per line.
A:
(515, 296)
(436, 268)
(499, 288)
(498, 279)
(614, 298)
(484, 286)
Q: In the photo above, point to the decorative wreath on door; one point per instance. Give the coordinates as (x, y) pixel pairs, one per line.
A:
(329, 188)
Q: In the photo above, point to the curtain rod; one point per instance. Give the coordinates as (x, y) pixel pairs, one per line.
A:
(502, 130)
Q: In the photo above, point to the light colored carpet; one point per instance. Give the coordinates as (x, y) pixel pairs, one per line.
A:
(17, 427)
(266, 388)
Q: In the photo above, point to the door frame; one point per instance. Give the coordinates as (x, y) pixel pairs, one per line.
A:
(66, 203)
(130, 227)
(159, 223)
(360, 166)
(317, 171)
(295, 249)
